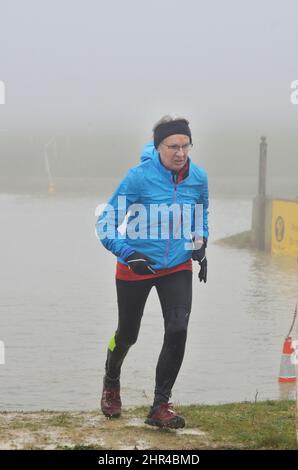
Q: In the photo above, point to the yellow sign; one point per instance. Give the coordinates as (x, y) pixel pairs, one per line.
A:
(284, 239)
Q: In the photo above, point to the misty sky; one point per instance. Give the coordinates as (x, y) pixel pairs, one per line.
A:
(226, 65)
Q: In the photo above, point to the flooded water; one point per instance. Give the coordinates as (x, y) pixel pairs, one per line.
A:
(58, 311)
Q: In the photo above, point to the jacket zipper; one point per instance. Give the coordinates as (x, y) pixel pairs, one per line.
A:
(171, 223)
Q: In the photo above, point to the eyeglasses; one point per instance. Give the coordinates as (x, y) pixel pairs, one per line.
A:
(175, 148)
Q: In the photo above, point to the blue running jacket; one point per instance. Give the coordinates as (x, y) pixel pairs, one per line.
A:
(159, 234)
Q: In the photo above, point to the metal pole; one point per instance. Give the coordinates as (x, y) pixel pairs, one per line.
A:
(261, 197)
(262, 167)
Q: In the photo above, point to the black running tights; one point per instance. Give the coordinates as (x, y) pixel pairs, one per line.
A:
(175, 296)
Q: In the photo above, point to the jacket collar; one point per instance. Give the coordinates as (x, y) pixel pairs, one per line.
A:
(170, 175)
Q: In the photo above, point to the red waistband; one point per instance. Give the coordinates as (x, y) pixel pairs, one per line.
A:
(125, 274)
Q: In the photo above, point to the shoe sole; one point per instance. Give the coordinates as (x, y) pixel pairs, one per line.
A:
(173, 424)
(110, 415)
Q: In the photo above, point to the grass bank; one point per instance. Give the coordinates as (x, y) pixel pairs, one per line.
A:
(239, 240)
(263, 425)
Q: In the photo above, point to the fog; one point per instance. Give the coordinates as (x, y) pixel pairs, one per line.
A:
(96, 76)
(84, 83)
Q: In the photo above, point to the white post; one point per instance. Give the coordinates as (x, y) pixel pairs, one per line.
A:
(47, 163)
(2, 353)
(2, 92)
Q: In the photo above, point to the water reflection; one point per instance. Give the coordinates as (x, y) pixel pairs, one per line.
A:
(58, 310)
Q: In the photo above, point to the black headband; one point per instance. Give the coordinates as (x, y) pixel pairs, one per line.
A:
(170, 128)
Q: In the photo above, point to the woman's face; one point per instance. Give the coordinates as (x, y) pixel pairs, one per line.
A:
(174, 151)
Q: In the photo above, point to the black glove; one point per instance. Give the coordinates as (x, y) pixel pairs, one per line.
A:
(200, 256)
(140, 264)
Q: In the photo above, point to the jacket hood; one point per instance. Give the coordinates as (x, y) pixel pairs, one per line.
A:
(149, 152)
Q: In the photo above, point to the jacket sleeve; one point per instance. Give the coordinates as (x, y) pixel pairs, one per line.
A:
(114, 213)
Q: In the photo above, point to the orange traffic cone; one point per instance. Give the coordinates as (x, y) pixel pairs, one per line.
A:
(287, 367)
